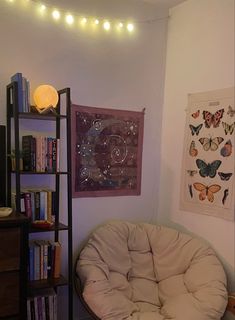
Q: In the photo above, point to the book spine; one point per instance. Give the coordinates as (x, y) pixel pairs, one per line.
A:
(58, 155)
(37, 205)
(27, 201)
(26, 151)
(19, 79)
(54, 157)
(57, 260)
(28, 310)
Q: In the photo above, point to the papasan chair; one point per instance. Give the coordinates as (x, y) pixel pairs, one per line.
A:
(149, 272)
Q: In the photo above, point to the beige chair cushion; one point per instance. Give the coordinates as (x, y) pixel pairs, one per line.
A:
(148, 272)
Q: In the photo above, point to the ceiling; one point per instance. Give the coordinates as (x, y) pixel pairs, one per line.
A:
(163, 3)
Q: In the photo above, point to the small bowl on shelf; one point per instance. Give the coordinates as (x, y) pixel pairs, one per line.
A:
(42, 224)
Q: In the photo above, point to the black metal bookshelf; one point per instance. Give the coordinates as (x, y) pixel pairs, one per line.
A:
(63, 113)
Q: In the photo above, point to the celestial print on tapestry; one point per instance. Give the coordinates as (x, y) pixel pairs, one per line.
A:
(107, 151)
(207, 184)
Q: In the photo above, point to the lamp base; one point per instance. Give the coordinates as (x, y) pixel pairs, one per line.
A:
(49, 109)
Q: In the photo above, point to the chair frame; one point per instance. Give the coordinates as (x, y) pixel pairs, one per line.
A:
(79, 289)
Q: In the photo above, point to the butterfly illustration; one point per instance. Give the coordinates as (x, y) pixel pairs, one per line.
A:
(208, 169)
(228, 128)
(195, 130)
(211, 144)
(226, 151)
(206, 191)
(196, 114)
(225, 196)
(192, 172)
(213, 119)
(231, 111)
(192, 149)
(225, 176)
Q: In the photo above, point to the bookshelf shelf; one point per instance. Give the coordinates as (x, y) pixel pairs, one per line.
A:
(58, 227)
(45, 173)
(41, 203)
(47, 283)
(38, 116)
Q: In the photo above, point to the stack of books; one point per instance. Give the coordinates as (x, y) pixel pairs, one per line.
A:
(37, 203)
(42, 305)
(44, 259)
(23, 92)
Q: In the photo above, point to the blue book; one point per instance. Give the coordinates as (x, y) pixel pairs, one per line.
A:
(19, 79)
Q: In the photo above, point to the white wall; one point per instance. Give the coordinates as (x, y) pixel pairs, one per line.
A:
(200, 57)
(107, 70)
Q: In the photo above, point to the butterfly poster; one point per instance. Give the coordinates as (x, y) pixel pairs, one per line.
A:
(208, 170)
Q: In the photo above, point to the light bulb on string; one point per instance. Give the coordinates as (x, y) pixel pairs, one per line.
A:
(56, 14)
(106, 25)
(69, 19)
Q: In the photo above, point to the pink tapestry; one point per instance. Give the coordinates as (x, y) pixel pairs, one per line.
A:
(106, 151)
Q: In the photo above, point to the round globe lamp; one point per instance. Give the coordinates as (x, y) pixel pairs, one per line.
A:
(45, 98)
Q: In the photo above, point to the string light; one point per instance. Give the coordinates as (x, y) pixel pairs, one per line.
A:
(130, 27)
(69, 18)
(106, 25)
(56, 14)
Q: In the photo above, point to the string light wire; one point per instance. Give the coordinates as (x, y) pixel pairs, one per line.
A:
(70, 18)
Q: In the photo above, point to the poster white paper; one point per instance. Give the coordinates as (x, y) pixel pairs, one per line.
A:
(207, 184)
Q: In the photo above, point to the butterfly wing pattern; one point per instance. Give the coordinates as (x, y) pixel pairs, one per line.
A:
(228, 128)
(196, 114)
(208, 169)
(195, 130)
(206, 191)
(212, 119)
(211, 144)
(231, 111)
(225, 176)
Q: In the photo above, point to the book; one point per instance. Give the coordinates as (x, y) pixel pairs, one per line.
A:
(57, 259)
(17, 77)
(27, 203)
(27, 152)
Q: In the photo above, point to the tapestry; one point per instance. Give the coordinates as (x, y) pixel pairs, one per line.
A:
(106, 151)
(207, 184)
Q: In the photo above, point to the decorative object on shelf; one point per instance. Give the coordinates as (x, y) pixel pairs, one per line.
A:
(5, 211)
(210, 189)
(106, 151)
(46, 98)
(42, 224)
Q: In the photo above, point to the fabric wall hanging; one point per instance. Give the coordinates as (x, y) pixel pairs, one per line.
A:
(106, 151)
(207, 184)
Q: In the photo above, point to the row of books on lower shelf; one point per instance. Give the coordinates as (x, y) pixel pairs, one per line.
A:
(44, 259)
(37, 204)
(42, 306)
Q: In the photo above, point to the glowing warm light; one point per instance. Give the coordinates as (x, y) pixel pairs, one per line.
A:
(84, 20)
(56, 14)
(69, 19)
(106, 25)
(42, 7)
(45, 96)
(130, 27)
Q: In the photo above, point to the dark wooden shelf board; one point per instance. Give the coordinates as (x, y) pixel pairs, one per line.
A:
(47, 173)
(38, 116)
(47, 283)
(58, 227)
